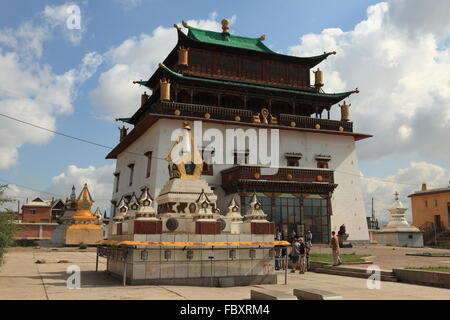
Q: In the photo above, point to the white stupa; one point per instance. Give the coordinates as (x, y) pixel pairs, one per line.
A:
(398, 231)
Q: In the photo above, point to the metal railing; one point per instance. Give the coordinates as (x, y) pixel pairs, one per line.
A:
(230, 113)
(431, 232)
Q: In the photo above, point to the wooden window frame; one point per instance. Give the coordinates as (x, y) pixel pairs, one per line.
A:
(148, 154)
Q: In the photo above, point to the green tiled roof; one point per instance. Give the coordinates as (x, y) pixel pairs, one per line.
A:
(338, 96)
(227, 39)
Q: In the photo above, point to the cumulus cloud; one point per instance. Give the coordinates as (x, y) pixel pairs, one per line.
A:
(99, 180)
(31, 91)
(382, 190)
(399, 57)
(68, 19)
(134, 59)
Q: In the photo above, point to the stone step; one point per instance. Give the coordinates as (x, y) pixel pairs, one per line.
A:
(346, 273)
(265, 294)
(315, 294)
(362, 270)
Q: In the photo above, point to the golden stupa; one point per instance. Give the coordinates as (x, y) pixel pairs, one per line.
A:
(83, 206)
(84, 226)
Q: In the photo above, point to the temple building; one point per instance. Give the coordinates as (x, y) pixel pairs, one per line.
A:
(234, 82)
(78, 224)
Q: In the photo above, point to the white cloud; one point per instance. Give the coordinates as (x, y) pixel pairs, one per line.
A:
(99, 180)
(59, 17)
(399, 57)
(31, 91)
(410, 178)
(134, 59)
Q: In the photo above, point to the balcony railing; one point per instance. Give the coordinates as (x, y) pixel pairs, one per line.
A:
(249, 178)
(231, 114)
(282, 174)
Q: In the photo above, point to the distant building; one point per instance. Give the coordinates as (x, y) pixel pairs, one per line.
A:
(79, 225)
(42, 211)
(39, 218)
(431, 213)
(431, 207)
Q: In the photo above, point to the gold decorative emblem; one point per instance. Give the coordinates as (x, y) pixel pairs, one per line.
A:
(265, 114)
(293, 124)
(207, 115)
(185, 161)
(257, 175)
(237, 118)
(341, 129)
(289, 176)
(177, 112)
(317, 126)
(319, 178)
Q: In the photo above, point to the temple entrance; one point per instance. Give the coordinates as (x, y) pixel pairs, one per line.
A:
(292, 213)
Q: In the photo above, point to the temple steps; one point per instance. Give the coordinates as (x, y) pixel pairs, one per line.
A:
(355, 272)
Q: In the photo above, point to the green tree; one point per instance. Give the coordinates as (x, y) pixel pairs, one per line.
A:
(7, 227)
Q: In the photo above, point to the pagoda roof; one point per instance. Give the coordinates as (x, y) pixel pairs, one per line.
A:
(226, 39)
(331, 97)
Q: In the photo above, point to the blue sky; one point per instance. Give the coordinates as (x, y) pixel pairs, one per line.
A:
(107, 24)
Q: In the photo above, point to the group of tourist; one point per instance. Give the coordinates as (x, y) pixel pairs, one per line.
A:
(300, 251)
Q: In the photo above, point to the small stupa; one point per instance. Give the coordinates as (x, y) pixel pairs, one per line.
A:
(398, 231)
(79, 224)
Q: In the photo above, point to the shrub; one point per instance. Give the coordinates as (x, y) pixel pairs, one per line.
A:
(82, 246)
(26, 243)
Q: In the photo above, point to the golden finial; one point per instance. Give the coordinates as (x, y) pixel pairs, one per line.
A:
(263, 37)
(186, 125)
(185, 24)
(161, 65)
(226, 25)
(355, 91)
(176, 26)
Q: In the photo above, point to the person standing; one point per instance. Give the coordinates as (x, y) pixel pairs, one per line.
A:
(308, 239)
(302, 249)
(295, 254)
(334, 243)
(278, 250)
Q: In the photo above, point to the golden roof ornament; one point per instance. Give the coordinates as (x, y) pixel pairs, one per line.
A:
(263, 37)
(225, 25)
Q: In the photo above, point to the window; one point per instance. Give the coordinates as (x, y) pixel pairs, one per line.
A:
(117, 176)
(435, 203)
(131, 166)
(292, 162)
(207, 162)
(322, 161)
(293, 159)
(241, 157)
(322, 164)
(32, 211)
(426, 203)
(149, 163)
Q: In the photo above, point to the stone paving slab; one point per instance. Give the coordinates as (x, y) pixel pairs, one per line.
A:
(21, 278)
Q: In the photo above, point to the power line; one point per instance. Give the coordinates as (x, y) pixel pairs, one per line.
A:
(158, 158)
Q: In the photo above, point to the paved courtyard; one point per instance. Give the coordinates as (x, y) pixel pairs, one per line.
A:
(22, 278)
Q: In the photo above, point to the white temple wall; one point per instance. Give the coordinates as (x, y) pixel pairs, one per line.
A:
(347, 200)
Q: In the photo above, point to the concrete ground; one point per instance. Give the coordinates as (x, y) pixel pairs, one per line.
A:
(22, 278)
(388, 258)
